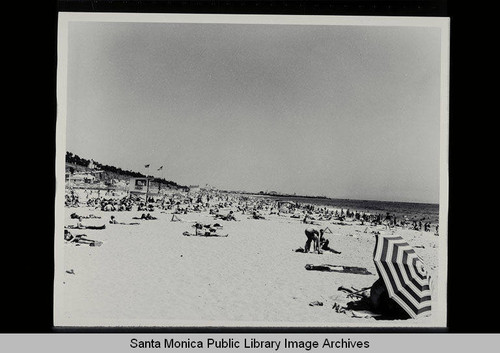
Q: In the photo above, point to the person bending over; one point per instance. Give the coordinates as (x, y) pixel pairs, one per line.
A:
(313, 236)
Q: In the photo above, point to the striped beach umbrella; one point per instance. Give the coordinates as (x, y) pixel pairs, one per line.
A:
(404, 274)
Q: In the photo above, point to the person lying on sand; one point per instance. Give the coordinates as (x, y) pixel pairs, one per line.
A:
(76, 216)
(341, 223)
(114, 221)
(313, 236)
(210, 232)
(228, 217)
(80, 225)
(145, 217)
(80, 239)
(257, 215)
(198, 225)
(337, 268)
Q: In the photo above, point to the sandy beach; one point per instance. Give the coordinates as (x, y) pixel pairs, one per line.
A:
(151, 275)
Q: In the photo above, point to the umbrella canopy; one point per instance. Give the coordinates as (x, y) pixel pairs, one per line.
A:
(404, 274)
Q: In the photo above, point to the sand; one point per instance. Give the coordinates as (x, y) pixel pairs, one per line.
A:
(152, 275)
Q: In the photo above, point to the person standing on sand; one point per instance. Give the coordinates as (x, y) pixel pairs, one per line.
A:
(313, 236)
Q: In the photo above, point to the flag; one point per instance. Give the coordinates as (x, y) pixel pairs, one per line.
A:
(146, 166)
(160, 168)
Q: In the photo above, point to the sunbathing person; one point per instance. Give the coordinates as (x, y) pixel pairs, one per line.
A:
(80, 225)
(228, 217)
(145, 217)
(313, 236)
(337, 268)
(210, 230)
(80, 239)
(207, 233)
(114, 221)
(257, 215)
(76, 216)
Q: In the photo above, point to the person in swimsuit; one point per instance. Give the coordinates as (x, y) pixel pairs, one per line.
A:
(79, 238)
(313, 236)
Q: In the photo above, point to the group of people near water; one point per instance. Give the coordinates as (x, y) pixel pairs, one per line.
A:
(252, 206)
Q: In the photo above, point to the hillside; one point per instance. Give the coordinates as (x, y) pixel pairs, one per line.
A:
(75, 163)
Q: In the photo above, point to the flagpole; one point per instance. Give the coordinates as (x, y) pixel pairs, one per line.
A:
(147, 183)
(159, 182)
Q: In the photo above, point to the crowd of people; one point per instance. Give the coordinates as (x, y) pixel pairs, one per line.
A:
(231, 207)
(224, 206)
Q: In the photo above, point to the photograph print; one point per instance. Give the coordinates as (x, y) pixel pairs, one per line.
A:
(251, 171)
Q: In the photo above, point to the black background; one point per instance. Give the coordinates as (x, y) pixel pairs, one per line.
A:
(29, 145)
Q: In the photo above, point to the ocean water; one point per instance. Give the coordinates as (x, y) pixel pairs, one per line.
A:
(427, 212)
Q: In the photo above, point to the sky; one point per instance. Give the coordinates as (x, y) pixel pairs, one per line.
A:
(341, 111)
